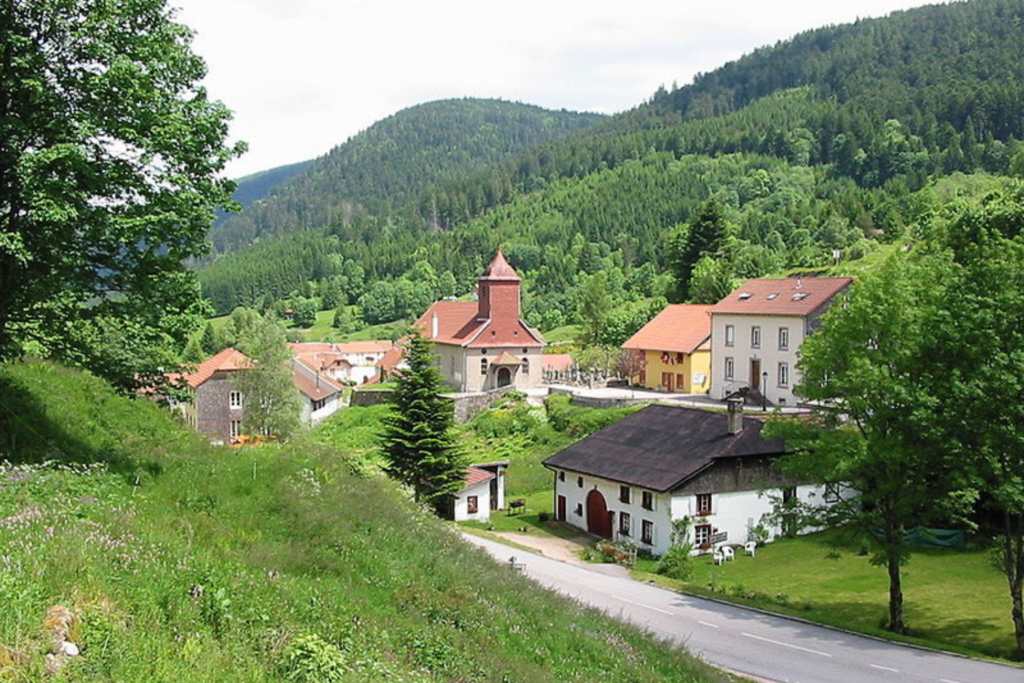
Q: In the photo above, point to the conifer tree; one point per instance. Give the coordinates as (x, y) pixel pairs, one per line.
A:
(417, 441)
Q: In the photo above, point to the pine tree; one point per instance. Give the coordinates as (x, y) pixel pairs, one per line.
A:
(209, 340)
(417, 441)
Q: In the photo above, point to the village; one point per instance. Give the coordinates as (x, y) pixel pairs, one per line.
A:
(723, 366)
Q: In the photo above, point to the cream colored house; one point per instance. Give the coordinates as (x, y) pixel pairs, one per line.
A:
(757, 331)
(484, 344)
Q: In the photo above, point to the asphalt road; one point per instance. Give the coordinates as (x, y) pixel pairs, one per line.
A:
(749, 642)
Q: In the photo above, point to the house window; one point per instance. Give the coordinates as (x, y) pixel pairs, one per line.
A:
(832, 493)
(624, 494)
(235, 429)
(647, 532)
(624, 524)
(579, 510)
(783, 339)
(755, 337)
(703, 503)
(483, 366)
(730, 368)
(235, 399)
(579, 482)
(561, 476)
(702, 535)
(472, 504)
(730, 335)
(647, 500)
(783, 374)
(526, 366)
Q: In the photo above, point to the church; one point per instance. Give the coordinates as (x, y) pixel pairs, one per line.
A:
(484, 344)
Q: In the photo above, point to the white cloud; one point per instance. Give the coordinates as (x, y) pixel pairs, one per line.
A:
(304, 75)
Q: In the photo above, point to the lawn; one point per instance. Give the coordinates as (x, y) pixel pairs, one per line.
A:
(953, 600)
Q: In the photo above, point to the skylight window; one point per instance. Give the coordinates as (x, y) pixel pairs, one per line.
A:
(800, 296)
(746, 295)
(772, 296)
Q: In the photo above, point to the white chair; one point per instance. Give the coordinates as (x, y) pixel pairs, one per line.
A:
(727, 552)
(718, 557)
(750, 547)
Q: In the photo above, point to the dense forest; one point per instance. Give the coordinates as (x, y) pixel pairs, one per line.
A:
(388, 164)
(814, 149)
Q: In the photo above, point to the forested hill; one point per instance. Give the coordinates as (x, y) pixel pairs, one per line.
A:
(391, 162)
(254, 187)
(816, 144)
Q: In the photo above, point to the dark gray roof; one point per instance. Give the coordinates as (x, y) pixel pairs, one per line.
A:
(660, 447)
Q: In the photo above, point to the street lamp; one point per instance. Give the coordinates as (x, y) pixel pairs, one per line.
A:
(764, 391)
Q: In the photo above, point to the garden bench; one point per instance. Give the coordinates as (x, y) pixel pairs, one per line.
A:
(516, 506)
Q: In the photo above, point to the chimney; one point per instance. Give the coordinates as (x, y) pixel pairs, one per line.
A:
(735, 415)
(435, 326)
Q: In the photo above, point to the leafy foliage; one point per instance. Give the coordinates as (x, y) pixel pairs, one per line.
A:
(108, 180)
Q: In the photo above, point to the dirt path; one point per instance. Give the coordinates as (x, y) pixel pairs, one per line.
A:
(561, 549)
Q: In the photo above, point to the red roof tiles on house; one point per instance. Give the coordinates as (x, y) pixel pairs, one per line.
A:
(457, 324)
(789, 296)
(474, 476)
(556, 362)
(311, 383)
(225, 361)
(679, 328)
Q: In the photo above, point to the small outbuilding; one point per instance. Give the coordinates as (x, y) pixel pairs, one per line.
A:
(483, 491)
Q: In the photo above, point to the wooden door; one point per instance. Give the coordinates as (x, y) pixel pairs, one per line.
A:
(598, 521)
(560, 512)
(755, 374)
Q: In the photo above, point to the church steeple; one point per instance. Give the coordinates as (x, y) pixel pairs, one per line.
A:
(498, 291)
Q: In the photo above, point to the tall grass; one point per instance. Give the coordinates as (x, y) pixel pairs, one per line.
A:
(264, 564)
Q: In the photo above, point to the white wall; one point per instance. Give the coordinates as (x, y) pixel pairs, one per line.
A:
(742, 353)
(733, 512)
(483, 493)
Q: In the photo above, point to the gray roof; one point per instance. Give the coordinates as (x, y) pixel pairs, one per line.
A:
(661, 447)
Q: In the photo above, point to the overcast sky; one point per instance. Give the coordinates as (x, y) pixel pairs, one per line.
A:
(305, 75)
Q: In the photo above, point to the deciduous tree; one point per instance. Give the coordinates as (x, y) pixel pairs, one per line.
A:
(110, 153)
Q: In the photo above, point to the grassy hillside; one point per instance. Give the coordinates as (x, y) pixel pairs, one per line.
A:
(187, 563)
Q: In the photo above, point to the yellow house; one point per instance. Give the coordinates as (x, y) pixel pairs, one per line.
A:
(676, 348)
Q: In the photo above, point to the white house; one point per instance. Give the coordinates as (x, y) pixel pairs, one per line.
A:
(354, 362)
(632, 479)
(483, 491)
(319, 396)
(757, 331)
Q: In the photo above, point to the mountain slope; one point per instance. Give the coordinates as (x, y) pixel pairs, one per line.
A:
(392, 161)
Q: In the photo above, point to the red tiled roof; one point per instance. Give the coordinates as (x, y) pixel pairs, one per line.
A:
(680, 328)
(474, 476)
(506, 358)
(556, 362)
(500, 270)
(369, 346)
(225, 361)
(789, 296)
(310, 383)
(457, 324)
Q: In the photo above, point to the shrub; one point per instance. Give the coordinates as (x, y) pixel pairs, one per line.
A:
(311, 659)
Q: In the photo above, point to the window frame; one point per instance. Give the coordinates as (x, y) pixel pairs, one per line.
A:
(783, 339)
(699, 531)
(625, 524)
(234, 400)
(624, 494)
(783, 374)
(647, 532)
(647, 500)
(704, 505)
(755, 336)
(730, 335)
(472, 505)
(729, 371)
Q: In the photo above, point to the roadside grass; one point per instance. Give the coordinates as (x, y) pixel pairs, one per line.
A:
(280, 562)
(954, 600)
